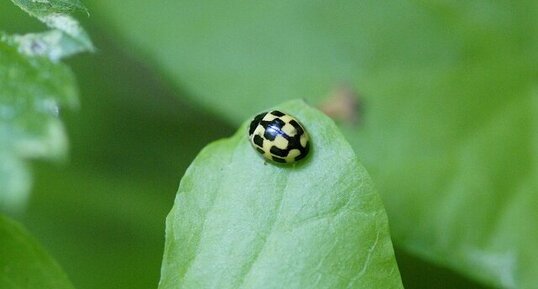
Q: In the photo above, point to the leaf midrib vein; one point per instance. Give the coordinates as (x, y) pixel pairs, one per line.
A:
(271, 230)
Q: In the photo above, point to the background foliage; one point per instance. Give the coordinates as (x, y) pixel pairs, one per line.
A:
(33, 86)
(22, 254)
(447, 125)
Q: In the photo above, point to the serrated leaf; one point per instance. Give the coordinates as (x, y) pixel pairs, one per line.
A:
(24, 264)
(448, 93)
(41, 8)
(238, 222)
(53, 44)
(32, 89)
(66, 38)
(31, 92)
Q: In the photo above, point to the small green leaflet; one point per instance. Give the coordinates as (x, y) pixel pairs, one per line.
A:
(66, 36)
(33, 86)
(239, 222)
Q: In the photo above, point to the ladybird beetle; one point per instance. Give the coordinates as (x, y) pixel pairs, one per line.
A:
(279, 137)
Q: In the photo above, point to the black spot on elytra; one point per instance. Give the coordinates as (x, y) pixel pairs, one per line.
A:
(278, 160)
(270, 134)
(254, 123)
(297, 126)
(258, 140)
(277, 113)
(304, 152)
(260, 150)
(279, 152)
(273, 128)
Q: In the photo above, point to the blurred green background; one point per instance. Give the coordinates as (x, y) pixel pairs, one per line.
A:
(441, 81)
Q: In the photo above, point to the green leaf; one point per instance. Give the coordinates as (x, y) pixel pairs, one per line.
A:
(448, 94)
(24, 264)
(238, 222)
(32, 89)
(66, 38)
(458, 169)
(42, 8)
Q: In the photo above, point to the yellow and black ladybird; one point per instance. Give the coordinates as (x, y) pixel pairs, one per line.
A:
(279, 137)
